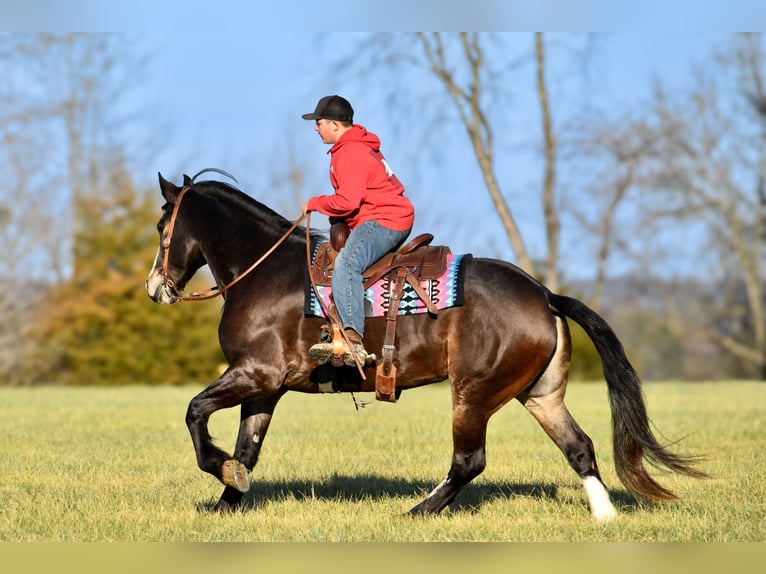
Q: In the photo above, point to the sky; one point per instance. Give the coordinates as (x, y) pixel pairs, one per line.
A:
(234, 102)
(225, 83)
(392, 15)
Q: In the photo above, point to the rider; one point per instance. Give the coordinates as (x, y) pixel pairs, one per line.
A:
(369, 198)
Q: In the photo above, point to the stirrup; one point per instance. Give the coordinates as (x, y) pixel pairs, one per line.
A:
(323, 353)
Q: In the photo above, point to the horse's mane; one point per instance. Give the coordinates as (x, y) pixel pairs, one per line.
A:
(240, 201)
(248, 206)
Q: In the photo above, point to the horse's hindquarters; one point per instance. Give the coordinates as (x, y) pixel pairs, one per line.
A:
(506, 335)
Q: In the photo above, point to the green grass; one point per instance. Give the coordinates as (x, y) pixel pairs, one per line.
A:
(116, 464)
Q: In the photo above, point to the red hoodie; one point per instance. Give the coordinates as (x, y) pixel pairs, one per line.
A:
(365, 187)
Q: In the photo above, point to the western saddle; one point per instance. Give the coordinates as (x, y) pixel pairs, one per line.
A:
(418, 260)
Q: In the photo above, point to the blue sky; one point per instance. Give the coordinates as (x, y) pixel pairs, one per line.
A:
(234, 101)
(226, 83)
(391, 15)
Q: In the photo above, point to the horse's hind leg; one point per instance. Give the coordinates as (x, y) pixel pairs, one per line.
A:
(545, 401)
(469, 431)
(577, 447)
(505, 367)
(255, 418)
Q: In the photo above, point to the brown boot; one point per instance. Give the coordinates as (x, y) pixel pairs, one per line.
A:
(322, 352)
(358, 346)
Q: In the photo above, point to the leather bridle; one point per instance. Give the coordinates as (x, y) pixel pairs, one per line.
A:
(215, 291)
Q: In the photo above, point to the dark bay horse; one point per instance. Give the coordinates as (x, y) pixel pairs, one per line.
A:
(509, 340)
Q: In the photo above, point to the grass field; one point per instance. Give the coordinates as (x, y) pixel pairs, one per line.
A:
(116, 464)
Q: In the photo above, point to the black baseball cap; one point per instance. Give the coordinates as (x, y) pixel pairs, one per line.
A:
(332, 108)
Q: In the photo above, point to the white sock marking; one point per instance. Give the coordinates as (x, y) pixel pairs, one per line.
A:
(598, 498)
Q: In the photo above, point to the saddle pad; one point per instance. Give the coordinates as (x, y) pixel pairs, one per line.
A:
(444, 291)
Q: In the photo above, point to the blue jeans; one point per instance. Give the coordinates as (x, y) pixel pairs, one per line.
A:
(364, 246)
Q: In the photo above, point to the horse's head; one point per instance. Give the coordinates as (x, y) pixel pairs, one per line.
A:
(179, 255)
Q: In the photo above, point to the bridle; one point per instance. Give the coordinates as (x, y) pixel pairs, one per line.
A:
(215, 291)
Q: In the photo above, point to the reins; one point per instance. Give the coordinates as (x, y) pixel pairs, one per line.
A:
(215, 291)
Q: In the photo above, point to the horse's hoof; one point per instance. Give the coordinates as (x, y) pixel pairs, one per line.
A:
(223, 507)
(418, 511)
(235, 475)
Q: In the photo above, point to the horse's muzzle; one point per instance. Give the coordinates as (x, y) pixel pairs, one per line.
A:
(159, 290)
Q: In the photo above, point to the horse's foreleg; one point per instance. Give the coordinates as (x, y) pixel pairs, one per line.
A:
(254, 422)
(231, 389)
(469, 431)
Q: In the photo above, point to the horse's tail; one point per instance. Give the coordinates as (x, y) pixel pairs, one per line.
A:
(632, 437)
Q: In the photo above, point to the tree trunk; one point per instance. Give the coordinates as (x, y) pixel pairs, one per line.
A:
(552, 224)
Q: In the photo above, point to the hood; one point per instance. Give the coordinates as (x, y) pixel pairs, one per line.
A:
(358, 134)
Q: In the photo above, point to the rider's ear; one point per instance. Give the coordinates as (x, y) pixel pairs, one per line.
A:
(169, 191)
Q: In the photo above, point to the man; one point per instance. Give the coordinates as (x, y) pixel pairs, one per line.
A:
(370, 199)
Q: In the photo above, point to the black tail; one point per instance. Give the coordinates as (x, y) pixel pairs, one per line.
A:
(633, 439)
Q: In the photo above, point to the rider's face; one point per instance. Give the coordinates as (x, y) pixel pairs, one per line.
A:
(328, 130)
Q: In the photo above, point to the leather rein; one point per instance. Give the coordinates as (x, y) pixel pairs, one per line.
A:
(215, 291)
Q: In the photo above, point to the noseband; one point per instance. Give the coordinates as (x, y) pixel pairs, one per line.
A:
(212, 292)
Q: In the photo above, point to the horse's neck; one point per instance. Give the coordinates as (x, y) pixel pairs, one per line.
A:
(235, 242)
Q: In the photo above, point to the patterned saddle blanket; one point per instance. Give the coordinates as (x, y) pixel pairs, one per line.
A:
(443, 291)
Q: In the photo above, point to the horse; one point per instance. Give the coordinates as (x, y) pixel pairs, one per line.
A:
(509, 340)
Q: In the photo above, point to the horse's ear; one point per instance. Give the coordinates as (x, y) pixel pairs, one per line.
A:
(169, 190)
(188, 181)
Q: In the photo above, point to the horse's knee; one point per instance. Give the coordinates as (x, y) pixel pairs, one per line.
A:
(209, 458)
(194, 413)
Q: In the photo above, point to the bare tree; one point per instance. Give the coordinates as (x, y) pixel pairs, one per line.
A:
(752, 64)
(60, 129)
(63, 107)
(691, 171)
(29, 238)
(550, 208)
(478, 76)
(709, 176)
(619, 148)
(467, 98)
